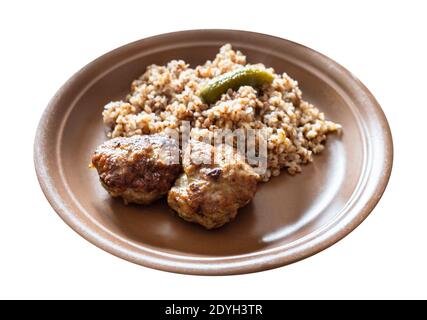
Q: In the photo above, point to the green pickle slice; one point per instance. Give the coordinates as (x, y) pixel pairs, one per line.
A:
(216, 87)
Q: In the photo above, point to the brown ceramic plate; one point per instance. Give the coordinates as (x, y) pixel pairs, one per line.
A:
(291, 217)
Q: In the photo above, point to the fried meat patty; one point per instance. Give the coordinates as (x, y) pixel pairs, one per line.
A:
(211, 194)
(139, 169)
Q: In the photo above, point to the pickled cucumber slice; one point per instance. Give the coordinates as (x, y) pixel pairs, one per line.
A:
(212, 92)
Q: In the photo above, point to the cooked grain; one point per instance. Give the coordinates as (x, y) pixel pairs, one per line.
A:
(164, 96)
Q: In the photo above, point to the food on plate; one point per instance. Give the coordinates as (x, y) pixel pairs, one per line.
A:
(253, 77)
(227, 93)
(139, 169)
(211, 193)
(165, 96)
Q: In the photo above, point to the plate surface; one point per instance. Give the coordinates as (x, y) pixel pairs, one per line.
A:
(290, 218)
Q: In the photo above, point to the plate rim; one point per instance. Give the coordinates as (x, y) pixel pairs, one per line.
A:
(237, 264)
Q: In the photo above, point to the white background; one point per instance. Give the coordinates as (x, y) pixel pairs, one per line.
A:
(43, 43)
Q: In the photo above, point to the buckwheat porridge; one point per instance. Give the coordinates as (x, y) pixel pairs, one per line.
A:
(164, 96)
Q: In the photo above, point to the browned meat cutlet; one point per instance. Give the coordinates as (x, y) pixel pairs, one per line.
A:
(139, 169)
(211, 194)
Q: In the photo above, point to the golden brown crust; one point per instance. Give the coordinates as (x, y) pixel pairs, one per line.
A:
(211, 194)
(140, 169)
